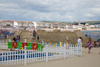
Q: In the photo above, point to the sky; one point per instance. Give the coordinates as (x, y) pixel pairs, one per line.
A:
(50, 10)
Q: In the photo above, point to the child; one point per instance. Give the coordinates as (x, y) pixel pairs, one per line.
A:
(89, 44)
(37, 37)
(95, 44)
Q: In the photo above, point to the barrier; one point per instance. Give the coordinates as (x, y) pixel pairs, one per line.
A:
(39, 53)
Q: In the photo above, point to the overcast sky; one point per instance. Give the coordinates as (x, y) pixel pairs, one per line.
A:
(50, 10)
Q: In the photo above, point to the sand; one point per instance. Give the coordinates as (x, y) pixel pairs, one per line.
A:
(87, 60)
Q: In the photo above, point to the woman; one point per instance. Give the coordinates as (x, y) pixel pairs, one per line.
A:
(89, 44)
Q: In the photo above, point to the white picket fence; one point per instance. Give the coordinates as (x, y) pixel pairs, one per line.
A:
(49, 53)
(3, 45)
(3, 42)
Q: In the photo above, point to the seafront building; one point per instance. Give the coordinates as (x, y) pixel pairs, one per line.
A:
(7, 23)
(37, 24)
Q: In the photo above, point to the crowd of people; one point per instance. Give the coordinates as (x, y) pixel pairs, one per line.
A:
(90, 43)
(4, 33)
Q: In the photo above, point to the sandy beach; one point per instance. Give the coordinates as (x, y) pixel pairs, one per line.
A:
(87, 60)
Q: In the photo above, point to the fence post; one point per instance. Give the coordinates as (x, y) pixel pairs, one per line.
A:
(64, 51)
(60, 50)
(77, 50)
(25, 60)
(25, 40)
(71, 49)
(81, 49)
(2, 57)
(46, 53)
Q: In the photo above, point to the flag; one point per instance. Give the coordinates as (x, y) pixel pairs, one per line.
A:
(19, 45)
(15, 44)
(40, 47)
(10, 45)
(35, 46)
(29, 46)
(24, 44)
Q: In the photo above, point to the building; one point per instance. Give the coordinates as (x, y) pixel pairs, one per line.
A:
(56, 25)
(79, 22)
(20, 23)
(31, 24)
(36, 24)
(0, 23)
(7, 23)
(23, 24)
(62, 25)
(15, 24)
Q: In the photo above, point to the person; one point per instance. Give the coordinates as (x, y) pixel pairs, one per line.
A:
(86, 35)
(5, 36)
(37, 37)
(17, 38)
(95, 44)
(14, 39)
(79, 41)
(34, 33)
(89, 44)
(98, 42)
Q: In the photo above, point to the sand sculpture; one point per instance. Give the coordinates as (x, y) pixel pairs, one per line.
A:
(54, 36)
(58, 36)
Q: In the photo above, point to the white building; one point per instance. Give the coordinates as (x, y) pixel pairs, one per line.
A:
(92, 26)
(15, 24)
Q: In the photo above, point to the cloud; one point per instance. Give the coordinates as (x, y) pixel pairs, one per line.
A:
(50, 10)
(96, 10)
(89, 15)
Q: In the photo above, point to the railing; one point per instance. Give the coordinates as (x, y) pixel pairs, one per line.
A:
(49, 53)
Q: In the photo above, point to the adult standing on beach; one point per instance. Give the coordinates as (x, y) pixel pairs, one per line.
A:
(89, 44)
(34, 33)
(79, 41)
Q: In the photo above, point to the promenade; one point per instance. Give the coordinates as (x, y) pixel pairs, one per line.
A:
(87, 60)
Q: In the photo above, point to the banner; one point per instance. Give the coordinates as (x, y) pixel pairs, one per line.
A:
(14, 44)
(40, 47)
(24, 44)
(19, 46)
(10, 45)
(29, 46)
(35, 46)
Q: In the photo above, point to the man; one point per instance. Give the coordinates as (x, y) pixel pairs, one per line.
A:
(34, 33)
(79, 41)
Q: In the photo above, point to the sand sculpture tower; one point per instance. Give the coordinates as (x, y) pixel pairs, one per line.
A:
(79, 22)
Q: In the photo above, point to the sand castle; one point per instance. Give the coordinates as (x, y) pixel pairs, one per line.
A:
(54, 36)
(58, 36)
